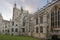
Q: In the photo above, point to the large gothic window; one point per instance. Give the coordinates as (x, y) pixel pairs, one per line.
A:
(55, 18)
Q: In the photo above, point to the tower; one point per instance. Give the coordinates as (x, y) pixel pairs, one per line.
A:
(14, 8)
(15, 5)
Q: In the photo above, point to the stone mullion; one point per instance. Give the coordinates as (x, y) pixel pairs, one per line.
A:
(54, 18)
(39, 23)
(39, 20)
(57, 17)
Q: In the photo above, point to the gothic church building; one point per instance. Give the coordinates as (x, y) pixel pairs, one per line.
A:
(42, 24)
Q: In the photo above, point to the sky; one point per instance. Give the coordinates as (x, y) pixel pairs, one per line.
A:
(6, 6)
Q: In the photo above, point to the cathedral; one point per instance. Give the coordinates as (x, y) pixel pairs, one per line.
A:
(44, 23)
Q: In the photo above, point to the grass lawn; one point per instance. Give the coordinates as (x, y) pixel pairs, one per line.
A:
(7, 37)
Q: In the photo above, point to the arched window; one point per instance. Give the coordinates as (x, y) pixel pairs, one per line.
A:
(16, 30)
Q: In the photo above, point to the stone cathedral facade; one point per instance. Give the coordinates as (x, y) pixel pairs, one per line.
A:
(42, 24)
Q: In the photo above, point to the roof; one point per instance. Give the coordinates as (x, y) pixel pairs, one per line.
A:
(46, 6)
(6, 21)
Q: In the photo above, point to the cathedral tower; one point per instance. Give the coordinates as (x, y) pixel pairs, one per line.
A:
(14, 8)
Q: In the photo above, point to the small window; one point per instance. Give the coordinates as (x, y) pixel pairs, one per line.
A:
(23, 23)
(36, 29)
(59, 24)
(3, 30)
(36, 21)
(16, 30)
(5, 26)
(12, 23)
(41, 29)
(23, 29)
(41, 19)
(8, 30)
(12, 29)
(16, 24)
(29, 29)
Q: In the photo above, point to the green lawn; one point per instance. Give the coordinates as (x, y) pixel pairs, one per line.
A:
(7, 37)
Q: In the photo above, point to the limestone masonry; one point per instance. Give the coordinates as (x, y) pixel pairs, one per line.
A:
(42, 24)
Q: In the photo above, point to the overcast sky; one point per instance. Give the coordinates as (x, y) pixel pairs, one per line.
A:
(6, 6)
